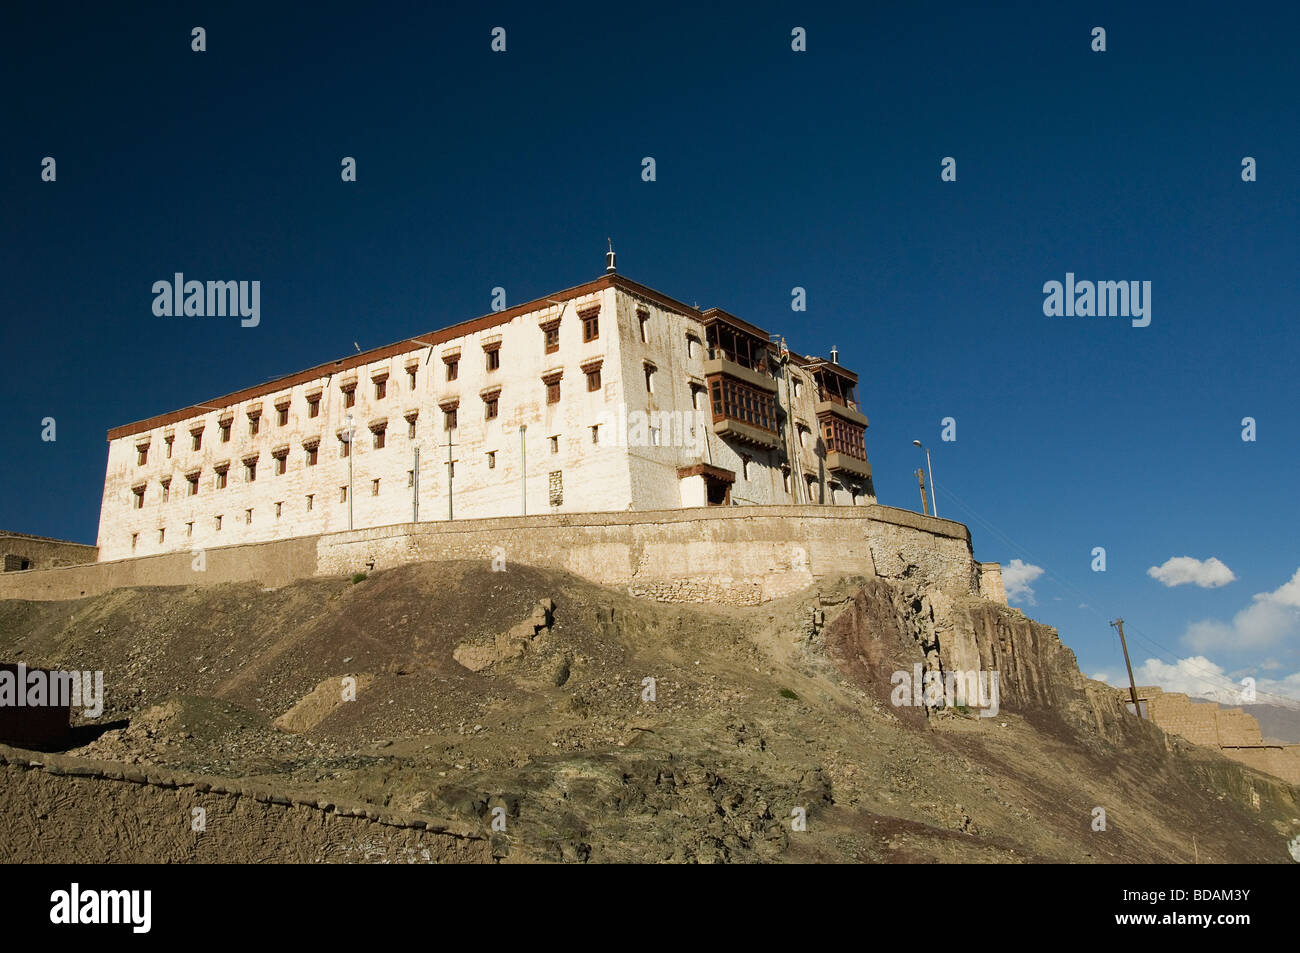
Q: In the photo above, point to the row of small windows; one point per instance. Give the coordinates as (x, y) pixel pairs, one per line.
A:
(225, 426)
(221, 473)
(590, 331)
(490, 401)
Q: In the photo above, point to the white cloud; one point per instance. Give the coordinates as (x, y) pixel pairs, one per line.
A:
(1270, 618)
(1179, 570)
(1199, 677)
(1016, 577)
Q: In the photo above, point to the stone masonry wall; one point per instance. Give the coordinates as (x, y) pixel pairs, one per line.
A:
(732, 555)
(41, 553)
(1234, 732)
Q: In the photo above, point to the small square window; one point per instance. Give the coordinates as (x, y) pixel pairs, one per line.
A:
(453, 370)
(311, 456)
(590, 327)
(489, 408)
(221, 479)
(254, 423)
(281, 463)
(378, 441)
(141, 455)
(225, 431)
(494, 360)
(593, 379)
(350, 396)
(313, 406)
(250, 471)
(196, 440)
(552, 338)
(137, 503)
(381, 388)
(449, 418)
(193, 480)
(282, 415)
(553, 392)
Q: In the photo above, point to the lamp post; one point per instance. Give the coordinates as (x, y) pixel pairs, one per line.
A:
(348, 431)
(523, 471)
(934, 505)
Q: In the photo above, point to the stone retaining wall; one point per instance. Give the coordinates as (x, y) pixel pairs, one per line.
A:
(733, 555)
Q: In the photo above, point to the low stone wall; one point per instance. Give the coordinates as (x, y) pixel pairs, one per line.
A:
(733, 555)
(20, 552)
(66, 809)
(1232, 731)
(272, 564)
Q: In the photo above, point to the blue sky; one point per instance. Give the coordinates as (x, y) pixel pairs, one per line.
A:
(775, 169)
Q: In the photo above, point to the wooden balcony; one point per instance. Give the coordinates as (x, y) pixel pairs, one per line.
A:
(744, 432)
(841, 410)
(722, 363)
(843, 463)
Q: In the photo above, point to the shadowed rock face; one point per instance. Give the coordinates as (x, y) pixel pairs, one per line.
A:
(891, 627)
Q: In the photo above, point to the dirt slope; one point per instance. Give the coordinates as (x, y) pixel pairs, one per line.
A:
(755, 713)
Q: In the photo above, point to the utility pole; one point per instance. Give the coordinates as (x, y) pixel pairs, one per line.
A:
(920, 477)
(934, 504)
(1132, 687)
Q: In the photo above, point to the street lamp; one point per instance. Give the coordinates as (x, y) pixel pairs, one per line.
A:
(934, 506)
(523, 471)
(346, 435)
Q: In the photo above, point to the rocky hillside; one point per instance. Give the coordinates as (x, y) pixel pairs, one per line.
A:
(593, 726)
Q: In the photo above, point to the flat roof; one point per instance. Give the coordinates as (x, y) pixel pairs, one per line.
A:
(433, 339)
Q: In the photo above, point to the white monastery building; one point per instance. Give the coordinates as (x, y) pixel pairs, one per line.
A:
(607, 396)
